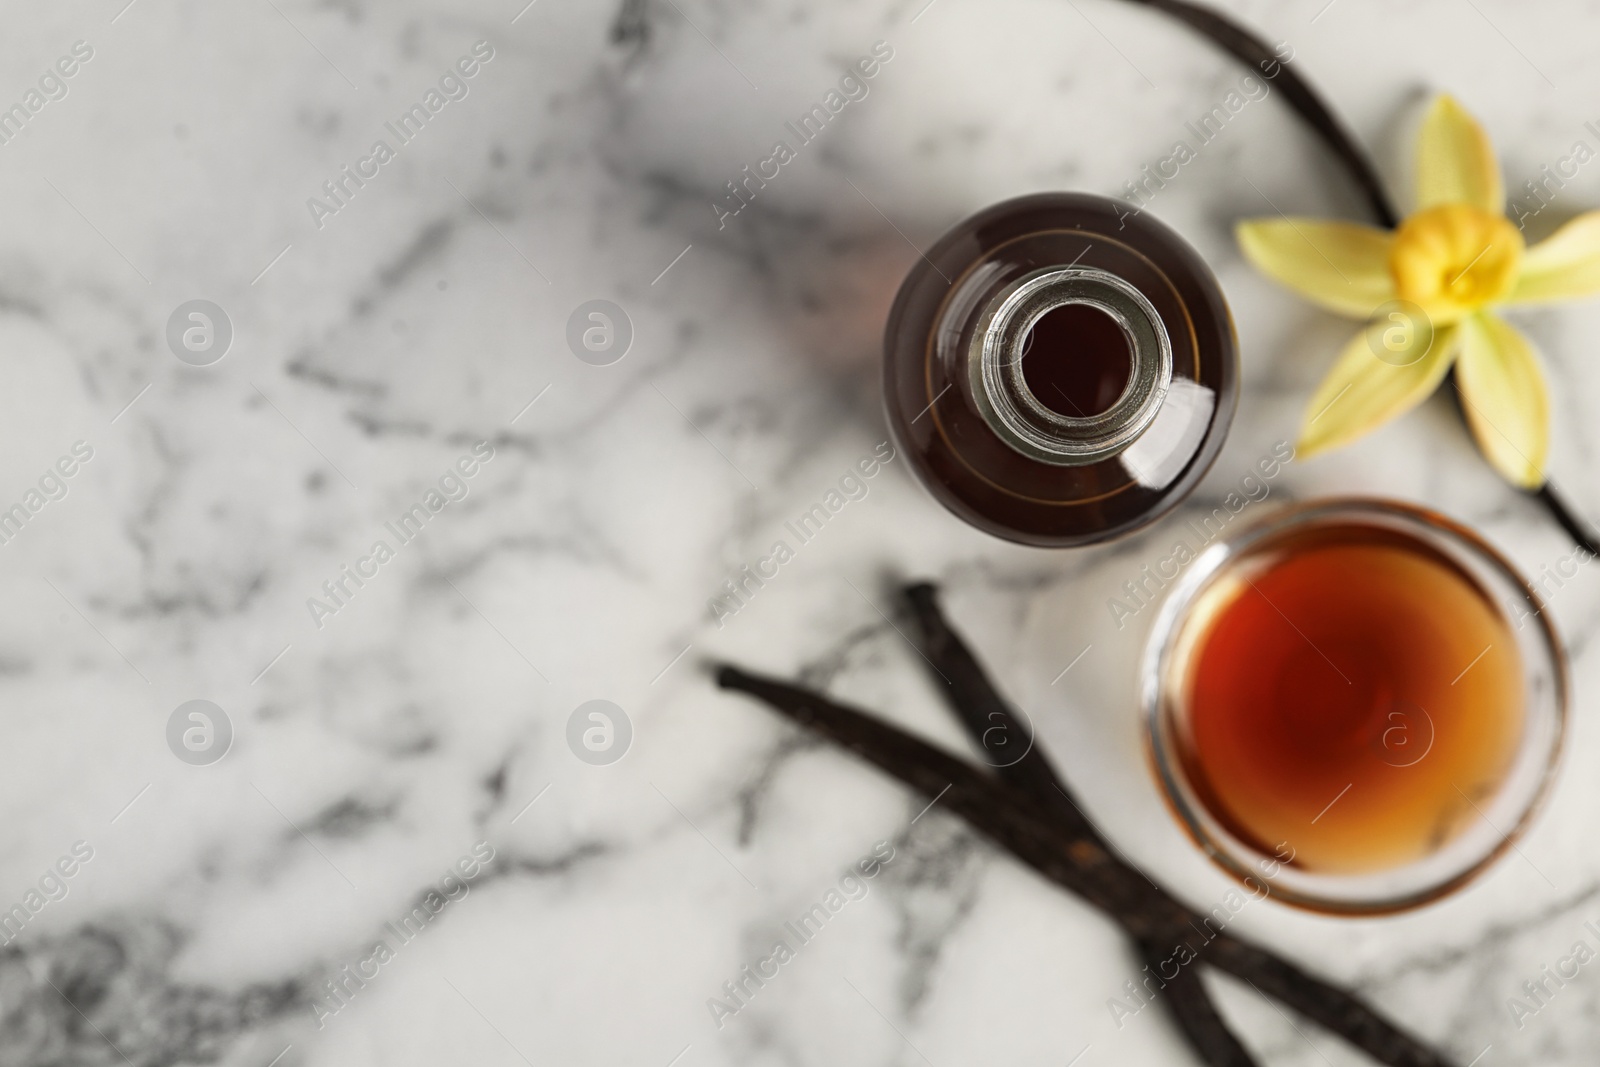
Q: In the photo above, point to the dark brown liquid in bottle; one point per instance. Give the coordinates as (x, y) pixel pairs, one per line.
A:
(1076, 360)
(1059, 371)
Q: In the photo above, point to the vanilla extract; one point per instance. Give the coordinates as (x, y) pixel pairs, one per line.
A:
(1060, 371)
(1350, 689)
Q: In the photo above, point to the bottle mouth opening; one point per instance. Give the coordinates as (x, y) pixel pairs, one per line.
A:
(1071, 365)
(1054, 367)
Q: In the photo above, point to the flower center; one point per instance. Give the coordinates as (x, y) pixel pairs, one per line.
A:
(1455, 258)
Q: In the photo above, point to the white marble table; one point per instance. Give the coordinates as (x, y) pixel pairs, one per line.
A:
(376, 745)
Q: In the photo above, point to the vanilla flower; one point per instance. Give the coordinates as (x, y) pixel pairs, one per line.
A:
(1429, 291)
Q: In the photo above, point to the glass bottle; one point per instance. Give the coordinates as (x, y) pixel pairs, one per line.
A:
(1060, 370)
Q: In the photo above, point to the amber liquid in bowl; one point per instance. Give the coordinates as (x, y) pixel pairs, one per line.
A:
(1349, 693)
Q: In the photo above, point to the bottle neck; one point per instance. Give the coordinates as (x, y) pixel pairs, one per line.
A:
(1009, 405)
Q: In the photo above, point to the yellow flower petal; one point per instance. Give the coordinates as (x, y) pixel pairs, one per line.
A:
(1341, 266)
(1455, 162)
(1365, 389)
(1564, 266)
(1503, 394)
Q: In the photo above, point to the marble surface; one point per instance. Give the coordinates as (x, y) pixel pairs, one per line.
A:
(376, 746)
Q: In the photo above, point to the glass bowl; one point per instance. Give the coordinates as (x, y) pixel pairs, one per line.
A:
(1494, 822)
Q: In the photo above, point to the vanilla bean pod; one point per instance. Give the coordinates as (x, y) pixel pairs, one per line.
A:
(1253, 51)
(1014, 821)
(992, 726)
(1576, 528)
(1007, 745)
(1191, 1007)
(1001, 810)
